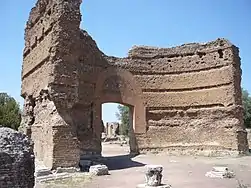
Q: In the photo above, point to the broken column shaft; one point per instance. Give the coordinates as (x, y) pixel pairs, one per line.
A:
(153, 177)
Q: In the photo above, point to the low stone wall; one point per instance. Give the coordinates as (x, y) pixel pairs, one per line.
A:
(16, 160)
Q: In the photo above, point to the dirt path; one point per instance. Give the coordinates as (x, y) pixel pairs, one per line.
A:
(180, 172)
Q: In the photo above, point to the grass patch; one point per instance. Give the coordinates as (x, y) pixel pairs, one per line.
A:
(75, 181)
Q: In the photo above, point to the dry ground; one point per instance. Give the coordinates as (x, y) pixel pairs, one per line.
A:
(180, 172)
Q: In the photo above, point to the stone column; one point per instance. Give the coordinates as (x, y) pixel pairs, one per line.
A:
(153, 177)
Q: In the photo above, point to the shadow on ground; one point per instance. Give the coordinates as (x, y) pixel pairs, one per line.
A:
(120, 162)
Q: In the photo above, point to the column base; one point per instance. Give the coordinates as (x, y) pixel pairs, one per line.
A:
(147, 186)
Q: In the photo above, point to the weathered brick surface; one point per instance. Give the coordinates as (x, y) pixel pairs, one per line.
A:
(249, 137)
(16, 160)
(187, 96)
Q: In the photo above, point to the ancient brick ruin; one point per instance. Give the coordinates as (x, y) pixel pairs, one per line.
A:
(185, 99)
(16, 160)
(111, 129)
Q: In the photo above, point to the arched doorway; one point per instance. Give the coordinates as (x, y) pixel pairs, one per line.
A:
(118, 128)
(118, 86)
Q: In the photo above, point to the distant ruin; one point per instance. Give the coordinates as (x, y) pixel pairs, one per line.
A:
(185, 99)
(111, 129)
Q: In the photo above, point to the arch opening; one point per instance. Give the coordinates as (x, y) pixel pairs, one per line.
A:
(117, 131)
(115, 85)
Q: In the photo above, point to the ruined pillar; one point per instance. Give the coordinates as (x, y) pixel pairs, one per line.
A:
(153, 177)
(132, 137)
(50, 81)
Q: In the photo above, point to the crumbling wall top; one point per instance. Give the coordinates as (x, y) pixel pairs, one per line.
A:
(147, 52)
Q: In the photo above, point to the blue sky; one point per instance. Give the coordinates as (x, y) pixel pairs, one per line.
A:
(117, 25)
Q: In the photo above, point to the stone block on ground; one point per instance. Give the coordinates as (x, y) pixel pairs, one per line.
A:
(54, 176)
(153, 177)
(147, 186)
(66, 170)
(42, 172)
(220, 172)
(99, 170)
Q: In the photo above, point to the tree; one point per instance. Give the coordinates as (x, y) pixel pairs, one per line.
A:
(246, 102)
(123, 116)
(10, 115)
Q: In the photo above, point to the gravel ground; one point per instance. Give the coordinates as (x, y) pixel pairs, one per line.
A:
(180, 172)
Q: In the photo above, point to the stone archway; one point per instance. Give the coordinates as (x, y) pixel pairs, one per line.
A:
(118, 86)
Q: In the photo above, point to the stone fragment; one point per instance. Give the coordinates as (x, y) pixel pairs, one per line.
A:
(99, 170)
(153, 175)
(103, 136)
(220, 172)
(42, 172)
(220, 168)
(16, 160)
(59, 176)
(147, 186)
